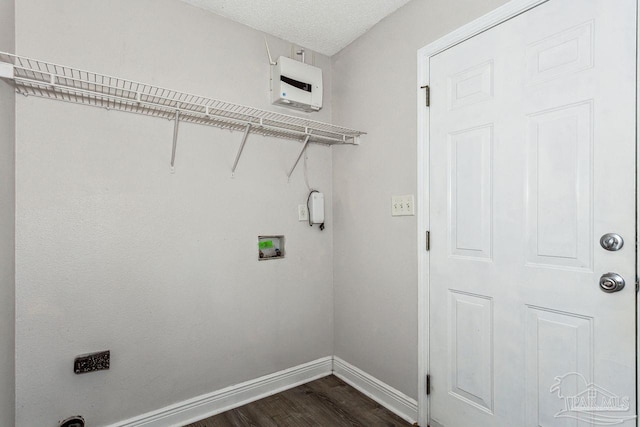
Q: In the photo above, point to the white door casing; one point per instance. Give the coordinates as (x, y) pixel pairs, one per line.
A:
(525, 124)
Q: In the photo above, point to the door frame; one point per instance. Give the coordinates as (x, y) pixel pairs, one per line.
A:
(467, 31)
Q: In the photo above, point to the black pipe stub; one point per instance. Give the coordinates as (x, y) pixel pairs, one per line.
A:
(75, 421)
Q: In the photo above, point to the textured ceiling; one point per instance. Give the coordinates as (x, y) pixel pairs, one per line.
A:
(325, 26)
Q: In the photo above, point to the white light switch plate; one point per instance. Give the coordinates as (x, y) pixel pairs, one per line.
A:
(403, 205)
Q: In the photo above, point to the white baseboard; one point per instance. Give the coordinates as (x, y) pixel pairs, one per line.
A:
(204, 406)
(392, 399)
(219, 401)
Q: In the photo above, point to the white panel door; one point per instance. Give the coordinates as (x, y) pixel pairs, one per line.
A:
(532, 160)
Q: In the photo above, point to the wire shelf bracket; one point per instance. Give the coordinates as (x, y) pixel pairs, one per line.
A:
(47, 80)
(175, 141)
(304, 147)
(244, 141)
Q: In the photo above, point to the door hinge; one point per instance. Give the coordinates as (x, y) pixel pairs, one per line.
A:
(427, 95)
(428, 385)
(427, 244)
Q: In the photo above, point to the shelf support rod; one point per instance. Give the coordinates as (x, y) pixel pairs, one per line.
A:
(175, 140)
(304, 147)
(244, 141)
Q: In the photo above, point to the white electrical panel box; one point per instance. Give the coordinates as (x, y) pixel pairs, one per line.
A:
(316, 208)
(295, 84)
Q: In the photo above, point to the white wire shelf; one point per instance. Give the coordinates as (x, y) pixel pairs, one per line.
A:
(63, 83)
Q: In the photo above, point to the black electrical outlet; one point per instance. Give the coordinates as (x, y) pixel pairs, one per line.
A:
(92, 362)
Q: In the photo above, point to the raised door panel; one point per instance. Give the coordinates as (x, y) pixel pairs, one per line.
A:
(471, 86)
(561, 54)
(470, 199)
(471, 349)
(559, 358)
(559, 188)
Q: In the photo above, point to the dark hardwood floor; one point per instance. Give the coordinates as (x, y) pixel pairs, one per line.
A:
(326, 402)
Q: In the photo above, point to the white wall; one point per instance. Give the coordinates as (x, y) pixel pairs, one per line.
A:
(114, 252)
(7, 220)
(375, 259)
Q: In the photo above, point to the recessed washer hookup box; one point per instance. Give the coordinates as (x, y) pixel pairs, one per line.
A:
(270, 247)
